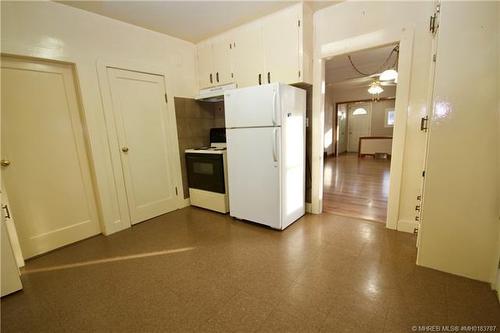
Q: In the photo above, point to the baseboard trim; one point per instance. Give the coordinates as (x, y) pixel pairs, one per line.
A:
(309, 207)
(407, 226)
(184, 203)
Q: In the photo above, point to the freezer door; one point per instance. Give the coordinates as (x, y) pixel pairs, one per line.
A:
(257, 106)
(254, 156)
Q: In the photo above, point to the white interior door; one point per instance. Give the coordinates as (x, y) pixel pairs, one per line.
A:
(358, 123)
(45, 164)
(342, 129)
(253, 174)
(10, 280)
(459, 227)
(141, 118)
(280, 34)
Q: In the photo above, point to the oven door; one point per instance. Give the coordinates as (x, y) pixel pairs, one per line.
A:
(206, 172)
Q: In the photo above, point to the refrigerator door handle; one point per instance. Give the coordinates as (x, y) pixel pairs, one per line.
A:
(274, 108)
(275, 143)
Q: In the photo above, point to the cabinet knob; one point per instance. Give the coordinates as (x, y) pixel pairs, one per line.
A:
(211, 79)
(217, 76)
(5, 163)
(268, 77)
(124, 149)
(260, 79)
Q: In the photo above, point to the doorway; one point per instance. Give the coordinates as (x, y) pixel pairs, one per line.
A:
(356, 176)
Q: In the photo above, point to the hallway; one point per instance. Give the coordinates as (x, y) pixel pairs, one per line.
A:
(356, 187)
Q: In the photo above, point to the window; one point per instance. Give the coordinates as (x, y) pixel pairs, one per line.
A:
(359, 111)
(390, 115)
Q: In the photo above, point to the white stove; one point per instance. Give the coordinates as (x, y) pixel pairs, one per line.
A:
(214, 148)
(207, 173)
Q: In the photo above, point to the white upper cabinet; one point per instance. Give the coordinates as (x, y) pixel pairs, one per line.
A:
(205, 65)
(280, 35)
(248, 56)
(221, 50)
(276, 48)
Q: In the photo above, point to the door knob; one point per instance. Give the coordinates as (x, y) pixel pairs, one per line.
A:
(4, 163)
(124, 149)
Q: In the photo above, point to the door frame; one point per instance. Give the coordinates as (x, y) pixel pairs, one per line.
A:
(124, 220)
(401, 35)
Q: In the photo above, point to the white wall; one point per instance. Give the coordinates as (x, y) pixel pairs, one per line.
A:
(351, 19)
(54, 31)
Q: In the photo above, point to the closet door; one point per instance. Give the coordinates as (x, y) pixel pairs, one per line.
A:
(45, 166)
(459, 227)
(141, 119)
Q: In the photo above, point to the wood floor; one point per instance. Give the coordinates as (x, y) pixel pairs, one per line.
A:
(356, 187)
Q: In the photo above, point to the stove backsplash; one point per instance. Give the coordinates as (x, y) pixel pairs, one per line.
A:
(194, 121)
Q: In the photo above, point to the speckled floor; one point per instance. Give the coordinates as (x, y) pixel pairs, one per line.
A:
(194, 270)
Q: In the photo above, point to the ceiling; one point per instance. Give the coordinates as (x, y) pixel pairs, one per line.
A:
(340, 73)
(189, 20)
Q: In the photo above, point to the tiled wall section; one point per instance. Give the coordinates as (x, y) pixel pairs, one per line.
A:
(194, 121)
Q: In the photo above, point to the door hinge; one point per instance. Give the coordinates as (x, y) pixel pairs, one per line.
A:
(423, 173)
(434, 57)
(298, 24)
(176, 191)
(424, 123)
(417, 208)
(433, 20)
(415, 231)
(417, 218)
(166, 98)
(419, 197)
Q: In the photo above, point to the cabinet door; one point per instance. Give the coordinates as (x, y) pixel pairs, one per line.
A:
(248, 56)
(205, 65)
(280, 34)
(222, 61)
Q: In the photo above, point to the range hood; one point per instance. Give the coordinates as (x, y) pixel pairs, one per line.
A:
(214, 94)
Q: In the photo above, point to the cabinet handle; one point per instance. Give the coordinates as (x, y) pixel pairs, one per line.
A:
(268, 77)
(260, 79)
(217, 76)
(211, 80)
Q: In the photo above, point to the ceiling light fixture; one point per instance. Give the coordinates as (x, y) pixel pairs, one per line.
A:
(375, 88)
(389, 75)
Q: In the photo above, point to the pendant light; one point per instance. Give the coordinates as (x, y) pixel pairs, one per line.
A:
(375, 88)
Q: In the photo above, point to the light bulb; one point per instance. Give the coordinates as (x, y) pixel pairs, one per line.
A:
(375, 88)
(388, 75)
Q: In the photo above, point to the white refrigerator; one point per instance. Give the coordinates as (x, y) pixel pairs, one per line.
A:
(265, 133)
